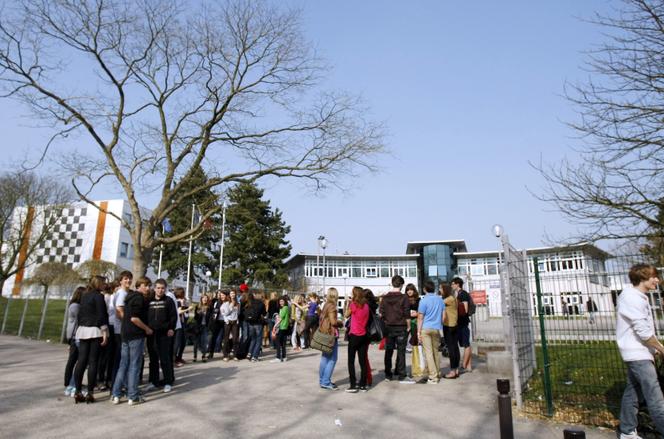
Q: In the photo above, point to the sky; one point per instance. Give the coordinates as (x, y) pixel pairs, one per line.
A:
(469, 93)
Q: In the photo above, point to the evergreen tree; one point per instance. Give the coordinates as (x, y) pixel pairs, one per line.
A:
(256, 244)
(204, 253)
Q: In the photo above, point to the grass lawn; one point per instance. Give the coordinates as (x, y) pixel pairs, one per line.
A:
(52, 322)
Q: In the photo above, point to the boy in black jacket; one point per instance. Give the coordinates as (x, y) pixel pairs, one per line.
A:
(162, 318)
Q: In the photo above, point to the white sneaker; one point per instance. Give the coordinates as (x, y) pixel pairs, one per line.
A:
(140, 400)
(149, 387)
(70, 391)
(283, 360)
(115, 400)
(275, 360)
(632, 435)
(167, 388)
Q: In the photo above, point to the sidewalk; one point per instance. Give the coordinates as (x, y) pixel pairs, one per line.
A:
(254, 400)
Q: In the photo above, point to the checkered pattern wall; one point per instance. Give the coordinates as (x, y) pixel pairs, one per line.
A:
(65, 243)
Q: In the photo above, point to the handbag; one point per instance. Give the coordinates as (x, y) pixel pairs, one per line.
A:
(374, 328)
(323, 342)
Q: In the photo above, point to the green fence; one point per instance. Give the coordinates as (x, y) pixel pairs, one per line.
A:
(24, 316)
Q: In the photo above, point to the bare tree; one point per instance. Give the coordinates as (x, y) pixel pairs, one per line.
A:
(29, 210)
(51, 274)
(157, 88)
(616, 190)
(94, 267)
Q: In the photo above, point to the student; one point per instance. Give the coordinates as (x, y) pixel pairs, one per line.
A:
(450, 319)
(272, 313)
(298, 314)
(72, 325)
(418, 368)
(635, 334)
(311, 322)
(463, 322)
(329, 325)
(358, 312)
(373, 307)
(178, 323)
(254, 314)
(162, 319)
(395, 313)
(230, 311)
(91, 333)
(117, 302)
(134, 330)
(282, 333)
(202, 316)
(216, 322)
(183, 315)
(106, 353)
(429, 325)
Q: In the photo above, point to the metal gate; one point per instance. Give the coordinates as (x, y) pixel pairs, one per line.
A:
(518, 316)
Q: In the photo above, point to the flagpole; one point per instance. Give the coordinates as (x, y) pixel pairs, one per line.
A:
(221, 250)
(161, 250)
(191, 242)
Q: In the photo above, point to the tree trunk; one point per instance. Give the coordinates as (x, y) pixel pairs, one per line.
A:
(45, 294)
(2, 285)
(139, 265)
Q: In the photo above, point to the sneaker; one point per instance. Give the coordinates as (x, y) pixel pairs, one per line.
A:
(140, 400)
(363, 389)
(632, 435)
(255, 360)
(389, 378)
(167, 388)
(283, 360)
(69, 391)
(275, 360)
(330, 387)
(115, 400)
(236, 359)
(150, 387)
(406, 380)
(225, 359)
(430, 381)
(351, 390)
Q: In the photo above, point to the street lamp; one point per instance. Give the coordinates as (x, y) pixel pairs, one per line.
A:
(207, 278)
(322, 243)
(223, 237)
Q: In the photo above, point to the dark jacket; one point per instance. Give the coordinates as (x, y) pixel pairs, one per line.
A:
(255, 312)
(92, 311)
(135, 306)
(162, 315)
(201, 317)
(394, 309)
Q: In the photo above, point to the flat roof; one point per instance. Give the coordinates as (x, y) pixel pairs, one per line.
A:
(560, 248)
(328, 256)
(413, 246)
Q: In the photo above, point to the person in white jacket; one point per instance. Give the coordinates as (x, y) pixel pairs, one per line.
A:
(635, 334)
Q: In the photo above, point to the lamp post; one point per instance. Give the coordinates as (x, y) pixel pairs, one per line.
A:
(223, 237)
(207, 279)
(322, 242)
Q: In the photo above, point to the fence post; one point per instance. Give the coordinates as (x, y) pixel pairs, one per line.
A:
(25, 310)
(574, 434)
(548, 394)
(4, 318)
(505, 409)
(64, 320)
(43, 316)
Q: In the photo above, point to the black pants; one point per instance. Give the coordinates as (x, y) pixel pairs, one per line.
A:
(357, 344)
(88, 356)
(107, 360)
(161, 349)
(217, 328)
(71, 361)
(117, 354)
(231, 329)
(180, 343)
(282, 340)
(309, 329)
(452, 342)
(396, 336)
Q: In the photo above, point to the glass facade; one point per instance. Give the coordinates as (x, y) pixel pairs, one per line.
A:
(437, 263)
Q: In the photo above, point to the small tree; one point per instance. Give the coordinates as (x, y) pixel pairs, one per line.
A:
(93, 267)
(29, 210)
(51, 274)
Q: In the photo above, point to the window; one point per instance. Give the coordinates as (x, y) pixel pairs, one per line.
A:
(384, 271)
(371, 272)
(412, 271)
(357, 271)
(433, 270)
(342, 272)
(124, 250)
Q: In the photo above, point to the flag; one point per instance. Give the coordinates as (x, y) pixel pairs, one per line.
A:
(166, 226)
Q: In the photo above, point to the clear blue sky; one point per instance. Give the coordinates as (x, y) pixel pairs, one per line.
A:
(469, 93)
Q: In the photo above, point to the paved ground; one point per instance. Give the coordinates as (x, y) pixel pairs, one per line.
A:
(256, 400)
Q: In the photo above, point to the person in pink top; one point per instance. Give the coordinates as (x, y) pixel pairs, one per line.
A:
(358, 312)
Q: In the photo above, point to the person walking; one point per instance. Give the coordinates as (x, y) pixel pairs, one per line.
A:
(450, 319)
(282, 332)
(358, 313)
(230, 311)
(635, 334)
(329, 324)
(92, 333)
(429, 325)
(72, 325)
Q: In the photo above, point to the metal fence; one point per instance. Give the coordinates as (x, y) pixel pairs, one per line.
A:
(579, 375)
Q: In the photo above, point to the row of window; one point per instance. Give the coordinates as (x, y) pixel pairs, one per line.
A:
(360, 269)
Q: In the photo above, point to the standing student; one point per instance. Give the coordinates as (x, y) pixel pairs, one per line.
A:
(134, 330)
(429, 325)
(230, 311)
(92, 333)
(72, 325)
(183, 315)
(450, 319)
(117, 302)
(298, 314)
(106, 353)
(244, 326)
(216, 322)
(637, 342)
(282, 333)
(272, 313)
(395, 312)
(162, 318)
(358, 312)
(329, 324)
(254, 314)
(463, 323)
(418, 368)
(202, 315)
(311, 322)
(373, 307)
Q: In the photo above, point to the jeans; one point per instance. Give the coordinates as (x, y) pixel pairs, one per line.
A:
(71, 362)
(201, 341)
(327, 363)
(131, 357)
(642, 385)
(180, 343)
(256, 338)
(217, 329)
(357, 345)
(244, 331)
(430, 341)
(452, 343)
(396, 335)
(88, 355)
(282, 340)
(117, 347)
(297, 340)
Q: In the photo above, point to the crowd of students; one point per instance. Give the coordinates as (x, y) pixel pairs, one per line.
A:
(111, 325)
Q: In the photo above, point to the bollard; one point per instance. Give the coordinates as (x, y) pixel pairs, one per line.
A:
(25, 310)
(574, 434)
(505, 409)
